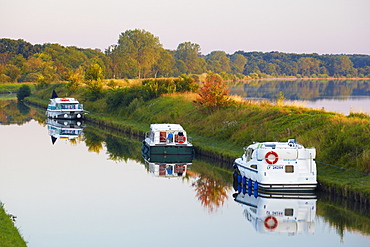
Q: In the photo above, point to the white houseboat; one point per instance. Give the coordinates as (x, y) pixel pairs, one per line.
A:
(278, 167)
(279, 215)
(166, 139)
(64, 108)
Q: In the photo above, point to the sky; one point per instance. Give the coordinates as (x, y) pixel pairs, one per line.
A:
(291, 26)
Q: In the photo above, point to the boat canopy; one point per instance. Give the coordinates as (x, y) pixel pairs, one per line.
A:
(166, 127)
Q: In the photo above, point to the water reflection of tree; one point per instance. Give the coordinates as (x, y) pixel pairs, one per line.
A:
(211, 193)
(306, 89)
(211, 184)
(118, 148)
(343, 214)
(76, 140)
(93, 142)
(12, 112)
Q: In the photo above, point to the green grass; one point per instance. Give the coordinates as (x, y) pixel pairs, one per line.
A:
(9, 235)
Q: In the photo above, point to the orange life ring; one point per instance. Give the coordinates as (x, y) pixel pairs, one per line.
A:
(181, 139)
(268, 224)
(268, 160)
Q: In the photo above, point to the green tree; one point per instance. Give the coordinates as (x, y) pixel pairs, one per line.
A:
(13, 72)
(218, 62)
(341, 65)
(238, 62)
(308, 66)
(94, 80)
(139, 46)
(21, 63)
(4, 78)
(94, 73)
(23, 92)
(114, 60)
(75, 79)
(189, 53)
(164, 65)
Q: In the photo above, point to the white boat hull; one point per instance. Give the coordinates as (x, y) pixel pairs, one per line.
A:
(283, 169)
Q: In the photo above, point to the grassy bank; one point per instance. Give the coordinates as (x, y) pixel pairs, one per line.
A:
(341, 141)
(9, 235)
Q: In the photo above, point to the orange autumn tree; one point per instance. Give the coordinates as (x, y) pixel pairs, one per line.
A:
(213, 93)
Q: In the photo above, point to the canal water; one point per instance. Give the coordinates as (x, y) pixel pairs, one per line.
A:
(95, 189)
(341, 96)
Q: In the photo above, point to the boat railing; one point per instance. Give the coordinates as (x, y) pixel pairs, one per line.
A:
(147, 134)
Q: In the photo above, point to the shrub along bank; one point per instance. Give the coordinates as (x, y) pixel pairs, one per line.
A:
(341, 141)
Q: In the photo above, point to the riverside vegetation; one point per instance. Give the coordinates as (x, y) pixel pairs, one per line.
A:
(9, 235)
(221, 132)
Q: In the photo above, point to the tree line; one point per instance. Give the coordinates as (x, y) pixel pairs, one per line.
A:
(139, 54)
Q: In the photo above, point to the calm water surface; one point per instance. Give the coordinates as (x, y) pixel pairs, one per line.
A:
(342, 96)
(97, 191)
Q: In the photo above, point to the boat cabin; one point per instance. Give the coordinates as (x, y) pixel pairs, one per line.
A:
(64, 104)
(167, 134)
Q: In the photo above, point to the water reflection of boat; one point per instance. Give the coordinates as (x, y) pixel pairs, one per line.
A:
(164, 158)
(290, 215)
(167, 170)
(167, 166)
(64, 108)
(64, 129)
(278, 167)
(167, 139)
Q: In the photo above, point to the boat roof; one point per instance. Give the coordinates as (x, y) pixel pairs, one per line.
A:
(291, 143)
(65, 100)
(165, 127)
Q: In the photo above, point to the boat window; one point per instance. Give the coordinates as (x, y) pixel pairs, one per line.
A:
(273, 146)
(288, 211)
(170, 137)
(254, 166)
(162, 136)
(69, 106)
(289, 169)
(248, 154)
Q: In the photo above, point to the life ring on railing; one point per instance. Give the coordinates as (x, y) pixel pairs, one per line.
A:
(271, 222)
(271, 160)
(181, 139)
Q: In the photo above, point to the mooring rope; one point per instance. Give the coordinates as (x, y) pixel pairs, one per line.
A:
(366, 174)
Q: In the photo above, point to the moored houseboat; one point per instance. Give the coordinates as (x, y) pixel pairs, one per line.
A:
(64, 108)
(278, 167)
(166, 139)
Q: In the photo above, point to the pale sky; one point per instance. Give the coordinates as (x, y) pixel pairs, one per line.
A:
(292, 26)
